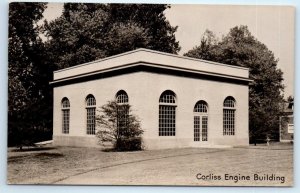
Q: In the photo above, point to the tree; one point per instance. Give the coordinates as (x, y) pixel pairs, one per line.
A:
(27, 101)
(23, 40)
(240, 48)
(117, 125)
(152, 18)
(207, 48)
(86, 32)
(290, 99)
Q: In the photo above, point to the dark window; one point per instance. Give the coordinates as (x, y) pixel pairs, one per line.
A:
(122, 112)
(122, 97)
(65, 107)
(90, 115)
(229, 116)
(167, 114)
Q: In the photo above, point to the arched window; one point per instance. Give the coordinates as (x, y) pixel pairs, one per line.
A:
(122, 111)
(122, 97)
(167, 113)
(65, 108)
(229, 116)
(200, 121)
(200, 107)
(90, 114)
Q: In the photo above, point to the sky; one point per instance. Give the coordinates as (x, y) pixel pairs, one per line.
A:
(271, 25)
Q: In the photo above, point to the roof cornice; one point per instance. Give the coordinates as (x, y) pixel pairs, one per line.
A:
(150, 51)
(152, 65)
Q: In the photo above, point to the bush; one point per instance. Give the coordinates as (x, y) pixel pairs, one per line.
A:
(129, 144)
(118, 126)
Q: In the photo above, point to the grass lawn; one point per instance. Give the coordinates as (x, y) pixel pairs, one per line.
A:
(67, 165)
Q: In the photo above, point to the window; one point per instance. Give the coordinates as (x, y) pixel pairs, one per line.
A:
(200, 107)
(196, 128)
(229, 116)
(65, 107)
(122, 97)
(204, 128)
(200, 121)
(91, 114)
(122, 111)
(167, 114)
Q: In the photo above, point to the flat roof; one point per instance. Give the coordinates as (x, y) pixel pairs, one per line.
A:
(154, 59)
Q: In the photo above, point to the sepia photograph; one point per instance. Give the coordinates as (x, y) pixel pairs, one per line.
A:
(150, 94)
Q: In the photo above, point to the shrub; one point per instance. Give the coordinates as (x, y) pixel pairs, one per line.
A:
(116, 124)
(129, 144)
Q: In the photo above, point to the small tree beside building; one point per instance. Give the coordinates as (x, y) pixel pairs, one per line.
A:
(117, 125)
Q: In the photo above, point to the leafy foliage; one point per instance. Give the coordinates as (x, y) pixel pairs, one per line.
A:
(29, 116)
(22, 43)
(86, 32)
(290, 99)
(240, 48)
(207, 48)
(117, 125)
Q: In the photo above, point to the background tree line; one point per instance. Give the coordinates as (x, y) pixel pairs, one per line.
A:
(86, 32)
(240, 48)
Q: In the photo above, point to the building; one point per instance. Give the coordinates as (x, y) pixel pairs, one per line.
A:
(181, 101)
(286, 123)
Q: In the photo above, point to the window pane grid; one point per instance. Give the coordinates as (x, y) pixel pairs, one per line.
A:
(168, 97)
(122, 98)
(91, 115)
(167, 120)
(204, 128)
(65, 107)
(65, 103)
(167, 114)
(200, 107)
(66, 120)
(90, 101)
(122, 119)
(196, 128)
(229, 116)
(229, 102)
(122, 112)
(228, 121)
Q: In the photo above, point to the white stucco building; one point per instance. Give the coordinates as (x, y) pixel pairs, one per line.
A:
(181, 101)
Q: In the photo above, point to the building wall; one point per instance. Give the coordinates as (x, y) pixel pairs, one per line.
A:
(285, 136)
(144, 90)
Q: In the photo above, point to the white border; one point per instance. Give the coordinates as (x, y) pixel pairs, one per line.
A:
(131, 189)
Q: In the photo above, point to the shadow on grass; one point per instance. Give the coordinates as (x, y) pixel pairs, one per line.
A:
(40, 156)
(49, 155)
(33, 149)
(115, 150)
(109, 150)
(271, 146)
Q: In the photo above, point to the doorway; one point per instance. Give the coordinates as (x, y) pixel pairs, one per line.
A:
(201, 121)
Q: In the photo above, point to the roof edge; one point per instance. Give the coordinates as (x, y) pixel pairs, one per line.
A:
(150, 64)
(151, 51)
